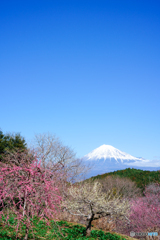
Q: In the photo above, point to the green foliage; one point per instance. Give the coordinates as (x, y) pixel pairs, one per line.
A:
(56, 230)
(140, 177)
(77, 232)
(11, 143)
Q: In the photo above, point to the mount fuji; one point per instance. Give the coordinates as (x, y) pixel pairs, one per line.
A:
(108, 159)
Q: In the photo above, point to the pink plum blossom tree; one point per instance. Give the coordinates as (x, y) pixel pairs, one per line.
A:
(144, 211)
(26, 191)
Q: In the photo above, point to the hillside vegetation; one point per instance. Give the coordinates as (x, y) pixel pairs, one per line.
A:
(140, 177)
(58, 231)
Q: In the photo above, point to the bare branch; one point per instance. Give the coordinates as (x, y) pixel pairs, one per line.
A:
(50, 150)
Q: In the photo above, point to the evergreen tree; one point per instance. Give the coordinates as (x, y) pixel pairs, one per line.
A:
(11, 143)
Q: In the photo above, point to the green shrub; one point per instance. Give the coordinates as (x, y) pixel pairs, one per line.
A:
(67, 231)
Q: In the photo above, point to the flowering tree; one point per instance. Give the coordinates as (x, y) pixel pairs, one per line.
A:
(145, 211)
(88, 200)
(27, 191)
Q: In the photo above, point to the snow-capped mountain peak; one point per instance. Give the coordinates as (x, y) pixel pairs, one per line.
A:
(108, 151)
(106, 158)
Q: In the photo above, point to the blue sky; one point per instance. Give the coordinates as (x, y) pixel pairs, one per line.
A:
(87, 71)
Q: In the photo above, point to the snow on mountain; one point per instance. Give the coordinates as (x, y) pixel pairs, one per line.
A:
(106, 158)
(107, 151)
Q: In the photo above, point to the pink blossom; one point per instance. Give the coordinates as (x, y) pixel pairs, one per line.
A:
(37, 193)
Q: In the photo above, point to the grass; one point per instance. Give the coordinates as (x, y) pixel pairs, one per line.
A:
(60, 230)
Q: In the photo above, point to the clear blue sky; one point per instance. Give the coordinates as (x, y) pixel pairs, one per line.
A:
(85, 70)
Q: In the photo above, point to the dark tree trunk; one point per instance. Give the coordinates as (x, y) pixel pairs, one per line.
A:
(26, 235)
(88, 226)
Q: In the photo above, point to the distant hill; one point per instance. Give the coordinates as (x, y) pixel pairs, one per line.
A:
(140, 177)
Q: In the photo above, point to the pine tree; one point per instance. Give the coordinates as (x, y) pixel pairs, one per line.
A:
(11, 143)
